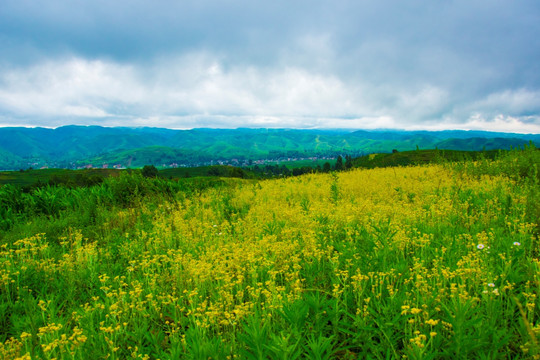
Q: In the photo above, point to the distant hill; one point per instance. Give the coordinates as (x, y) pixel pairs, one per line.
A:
(155, 155)
(477, 143)
(9, 160)
(77, 146)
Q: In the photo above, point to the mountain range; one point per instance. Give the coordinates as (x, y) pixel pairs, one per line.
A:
(78, 146)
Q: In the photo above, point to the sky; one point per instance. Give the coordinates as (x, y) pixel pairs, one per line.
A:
(362, 64)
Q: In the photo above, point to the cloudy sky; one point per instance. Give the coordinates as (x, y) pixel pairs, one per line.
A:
(404, 64)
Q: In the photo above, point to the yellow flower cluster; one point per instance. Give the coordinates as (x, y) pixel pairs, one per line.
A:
(404, 238)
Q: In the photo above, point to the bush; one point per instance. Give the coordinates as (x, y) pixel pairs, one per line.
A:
(149, 171)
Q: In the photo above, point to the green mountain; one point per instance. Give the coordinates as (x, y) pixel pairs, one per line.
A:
(76, 146)
(8, 160)
(157, 155)
(477, 143)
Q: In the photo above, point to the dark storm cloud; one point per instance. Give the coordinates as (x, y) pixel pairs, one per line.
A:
(140, 29)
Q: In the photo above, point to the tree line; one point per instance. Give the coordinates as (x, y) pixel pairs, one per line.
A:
(283, 171)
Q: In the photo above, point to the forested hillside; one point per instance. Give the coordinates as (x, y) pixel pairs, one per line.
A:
(79, 146)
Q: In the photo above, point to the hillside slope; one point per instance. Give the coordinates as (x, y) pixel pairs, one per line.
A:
(72, 146)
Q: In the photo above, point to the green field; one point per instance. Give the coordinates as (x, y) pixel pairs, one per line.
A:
(419, 157)
(310, 163)
(431, 261)
(30, 177)
(77, 178)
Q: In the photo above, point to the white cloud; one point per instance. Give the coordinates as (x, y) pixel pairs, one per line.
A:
(73, 87)
(504, 123)
(512, 102)
(201, 89)
(194, 84)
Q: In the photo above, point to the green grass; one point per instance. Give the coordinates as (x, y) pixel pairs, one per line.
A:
(30, 177)
(214, 170)
(434, 261)
(35, 177)
(311, 163)
(418, 157)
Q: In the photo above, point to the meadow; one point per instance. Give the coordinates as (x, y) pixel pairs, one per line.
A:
(437, 261)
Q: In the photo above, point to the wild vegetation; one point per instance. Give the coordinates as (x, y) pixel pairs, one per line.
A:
(421, 262)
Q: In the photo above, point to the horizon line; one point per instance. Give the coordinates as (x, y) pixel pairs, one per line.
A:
(4, 126)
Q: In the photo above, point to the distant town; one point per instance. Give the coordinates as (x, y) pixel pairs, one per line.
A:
(179, 164)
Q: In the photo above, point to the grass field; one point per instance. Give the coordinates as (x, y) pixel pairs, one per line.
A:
(34, 177)
(30, 177)
(420, 157)
(310, 163)
(437, 261)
